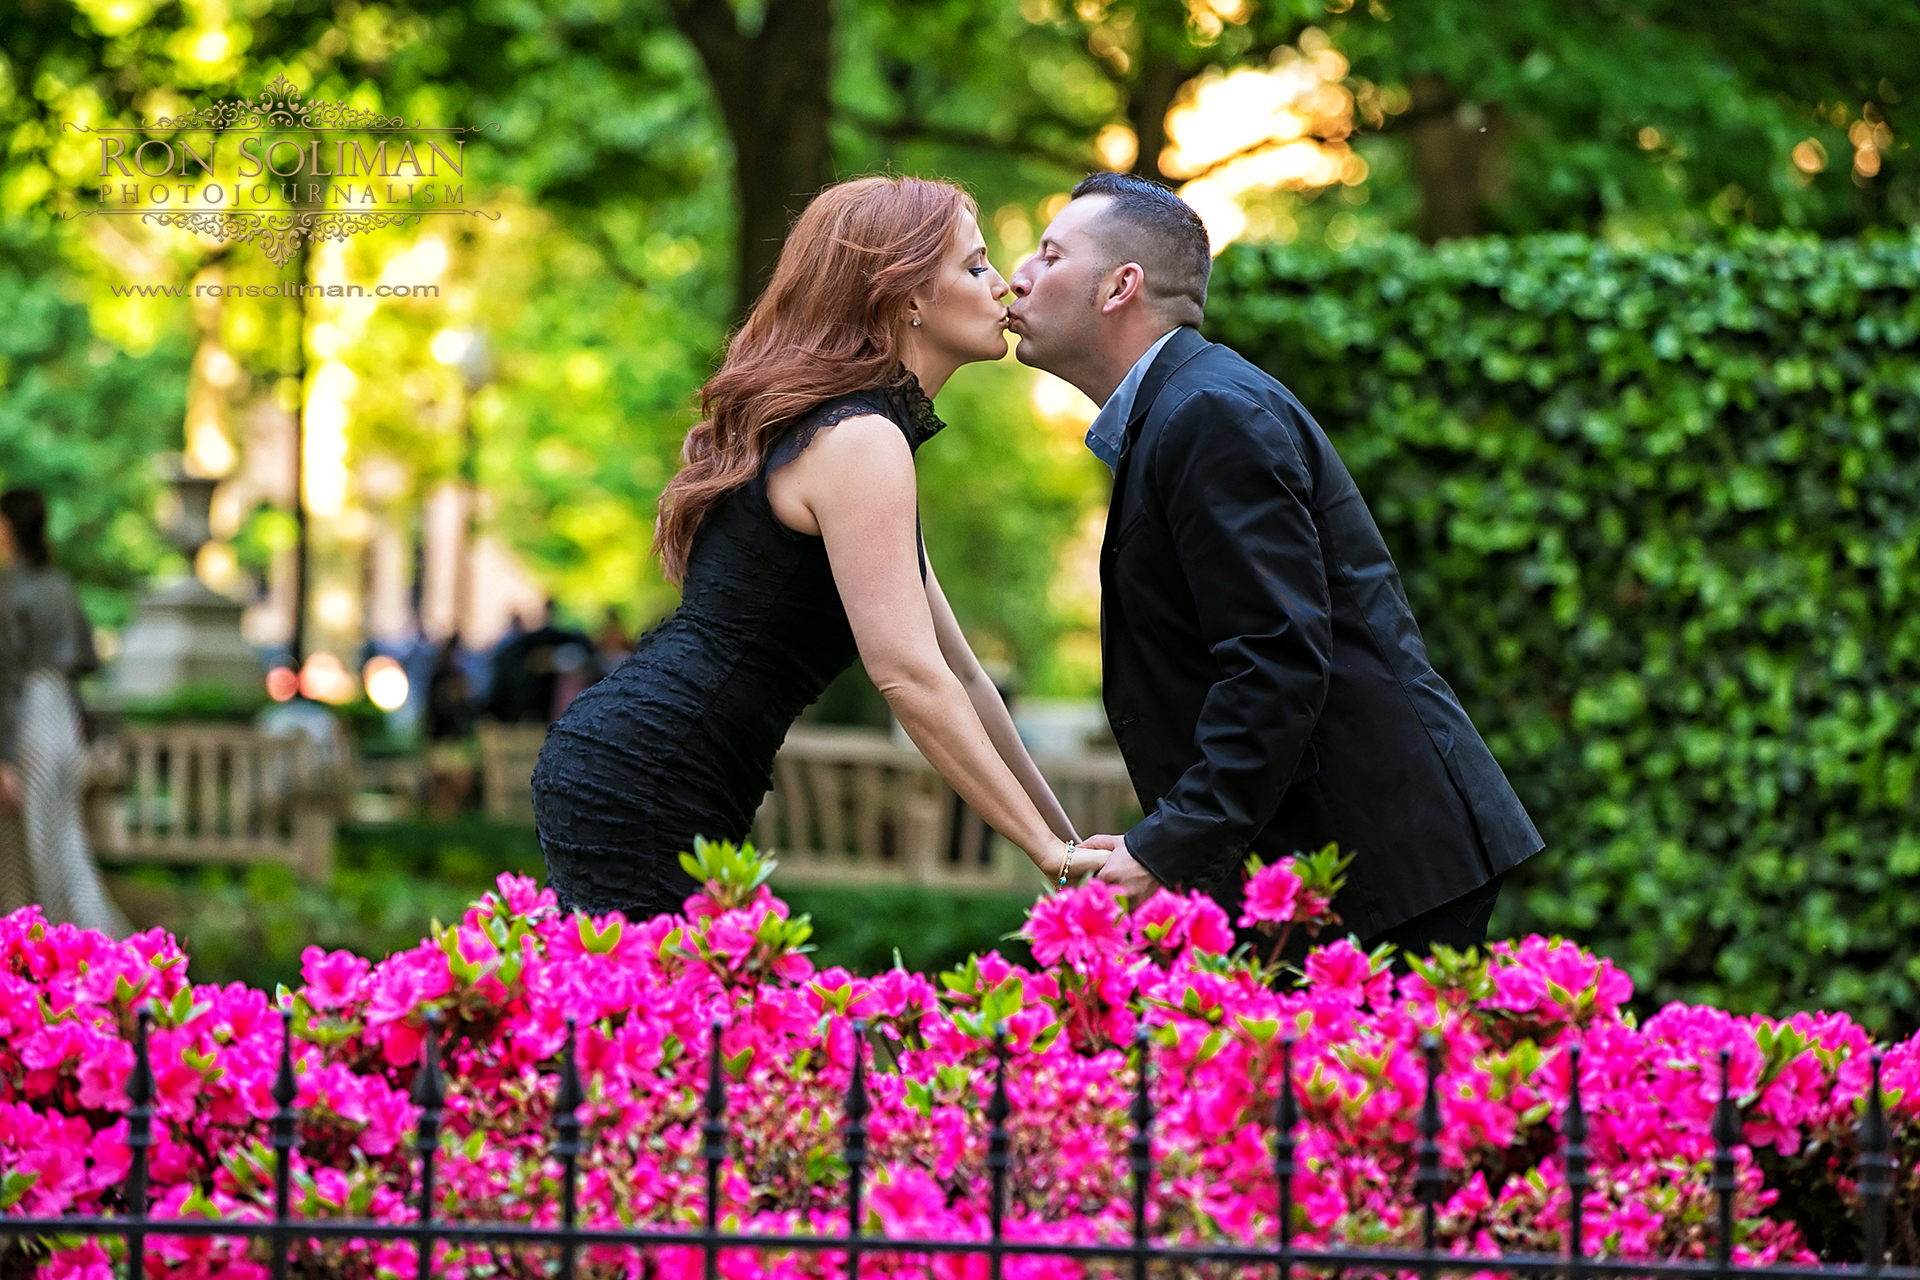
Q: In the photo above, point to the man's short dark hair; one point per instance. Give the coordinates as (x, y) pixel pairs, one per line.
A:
(1148, 224)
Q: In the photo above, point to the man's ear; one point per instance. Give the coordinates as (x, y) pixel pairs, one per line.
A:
(1125, 283)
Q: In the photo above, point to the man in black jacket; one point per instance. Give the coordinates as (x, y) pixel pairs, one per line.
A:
(1265, 679)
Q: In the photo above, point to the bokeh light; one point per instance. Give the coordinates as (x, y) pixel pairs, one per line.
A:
(386, 682)
(325, 679)
(1254, 130)
(1061, 406)
(282, 684)
(324, 451)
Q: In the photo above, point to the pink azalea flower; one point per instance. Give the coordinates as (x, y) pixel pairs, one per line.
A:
(1344, 970)
(1076, 925)
(1272, 895)
(334, 978)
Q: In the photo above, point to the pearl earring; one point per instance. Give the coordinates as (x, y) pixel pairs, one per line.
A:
(916, 322)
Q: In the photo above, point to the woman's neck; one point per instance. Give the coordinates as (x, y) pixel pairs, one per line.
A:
(931, 370)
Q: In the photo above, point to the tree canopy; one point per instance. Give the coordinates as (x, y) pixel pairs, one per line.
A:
(651, 154)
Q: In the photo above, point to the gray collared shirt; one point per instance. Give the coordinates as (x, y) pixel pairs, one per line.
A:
(1109, 430)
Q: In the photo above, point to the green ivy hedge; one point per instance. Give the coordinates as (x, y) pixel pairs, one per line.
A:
(1658, 513)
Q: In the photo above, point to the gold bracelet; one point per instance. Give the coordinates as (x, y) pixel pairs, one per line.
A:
(1067, 866)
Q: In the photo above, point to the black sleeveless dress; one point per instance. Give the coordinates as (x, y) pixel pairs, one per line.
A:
(679, 741)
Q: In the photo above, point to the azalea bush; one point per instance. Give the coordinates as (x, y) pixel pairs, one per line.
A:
(499, 989)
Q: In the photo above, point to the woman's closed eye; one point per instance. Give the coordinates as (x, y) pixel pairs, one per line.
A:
(978, 271)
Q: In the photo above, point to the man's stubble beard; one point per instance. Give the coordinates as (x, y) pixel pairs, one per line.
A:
(1035, 355)
(1024, 353)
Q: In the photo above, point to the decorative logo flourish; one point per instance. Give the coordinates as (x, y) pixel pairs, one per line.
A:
(304, 170)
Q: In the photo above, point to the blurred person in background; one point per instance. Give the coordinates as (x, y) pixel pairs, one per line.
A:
(53, 644)
(537, 672)
(613, 645)
(452, 775)
(16, 871)
(449, 694)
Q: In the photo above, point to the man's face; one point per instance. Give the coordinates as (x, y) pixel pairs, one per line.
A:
(1056, 306)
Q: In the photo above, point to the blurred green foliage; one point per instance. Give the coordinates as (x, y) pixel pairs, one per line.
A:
(1648, 115)
(83, 419)
(607, 292)
(1656, 514)
(393, 880)
(212, 701)
(999, 494)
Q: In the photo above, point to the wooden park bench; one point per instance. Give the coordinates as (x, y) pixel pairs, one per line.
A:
(214, 793)
(856, 806)
(853, 806)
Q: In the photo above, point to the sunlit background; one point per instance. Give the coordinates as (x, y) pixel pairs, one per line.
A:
(450, 462)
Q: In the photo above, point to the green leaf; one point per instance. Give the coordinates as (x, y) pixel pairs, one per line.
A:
(602, 942)
(14, 1184)
(1260, 1030)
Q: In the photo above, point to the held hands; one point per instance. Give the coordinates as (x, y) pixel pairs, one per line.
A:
(1121, 871)
(1076, 865)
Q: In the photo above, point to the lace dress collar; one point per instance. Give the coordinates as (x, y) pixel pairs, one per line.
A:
(900, 397)
(912, 407)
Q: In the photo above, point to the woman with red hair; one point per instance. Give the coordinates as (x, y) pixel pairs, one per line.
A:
(792, 529)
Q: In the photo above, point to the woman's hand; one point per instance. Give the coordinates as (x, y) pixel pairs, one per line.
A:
(1080, 862)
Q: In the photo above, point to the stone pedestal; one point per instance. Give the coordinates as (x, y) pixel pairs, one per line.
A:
(185, 634)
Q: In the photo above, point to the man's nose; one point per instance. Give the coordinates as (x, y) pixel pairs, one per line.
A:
(1020, 285)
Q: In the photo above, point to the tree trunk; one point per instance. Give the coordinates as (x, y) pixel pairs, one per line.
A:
(774, 89)
(1457, 153)
(1147, 105)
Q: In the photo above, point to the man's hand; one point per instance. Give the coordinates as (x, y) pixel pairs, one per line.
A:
(10, 796)
(1122, 872)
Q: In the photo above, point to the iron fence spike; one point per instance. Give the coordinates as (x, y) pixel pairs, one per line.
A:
(430, 1095)
(1140, 1147)
(998, 1160)
(1574, 1126)
(1285, 1118)
(716, 1101)
(1428, 1178)
(856, 1144)
(1726, 1132)
(713, 1145)
(285, 1087)
(1876, 1170)
(429, 1087)
(567, 1098)
(140, 1089)
(285, 1091)
(140, 1080)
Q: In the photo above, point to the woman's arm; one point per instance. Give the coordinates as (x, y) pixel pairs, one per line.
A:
(992, 711)
(854, 486)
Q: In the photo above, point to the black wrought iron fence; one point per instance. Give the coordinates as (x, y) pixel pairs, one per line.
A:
(1875, 1167)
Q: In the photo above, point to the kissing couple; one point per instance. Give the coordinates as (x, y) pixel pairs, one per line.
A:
(1265, 680)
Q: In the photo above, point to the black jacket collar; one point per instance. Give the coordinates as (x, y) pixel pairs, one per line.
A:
(1184, 345)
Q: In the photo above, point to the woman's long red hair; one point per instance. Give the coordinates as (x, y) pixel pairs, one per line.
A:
(825, 326)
